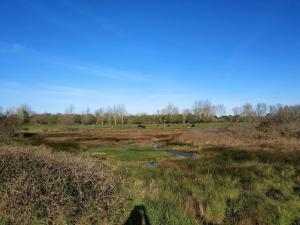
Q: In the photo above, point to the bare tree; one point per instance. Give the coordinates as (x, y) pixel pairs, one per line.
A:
(237, 111)
(87, 117)
(158, 116)
(87, 111)
(171, 111)
(203, 109)
(109, 113)
(261, 109)
(248, 111)
(100, 115)
(115, 114)
(198, 109)
(275, 108)
(1, 111)
(285, 114)
(24, 112)
(219, 110)
(70, 109)
(10, 111)
(208, 109)
(185, 114)
(121, 112)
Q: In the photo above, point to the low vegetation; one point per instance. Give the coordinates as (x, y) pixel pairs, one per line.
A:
(229, 187)
(244, 173)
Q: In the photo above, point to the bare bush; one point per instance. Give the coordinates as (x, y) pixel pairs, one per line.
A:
(9, 125)
(283, 120)
(24, 112)
(50, 187)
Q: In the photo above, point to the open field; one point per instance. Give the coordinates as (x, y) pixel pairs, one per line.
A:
(149, 112)
(215, 173)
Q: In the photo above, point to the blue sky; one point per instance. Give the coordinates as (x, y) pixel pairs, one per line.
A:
(146, 54)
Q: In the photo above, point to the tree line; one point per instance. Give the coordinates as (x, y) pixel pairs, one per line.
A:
(201, 111)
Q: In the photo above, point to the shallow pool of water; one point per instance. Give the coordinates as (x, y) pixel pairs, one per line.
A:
(175, 154)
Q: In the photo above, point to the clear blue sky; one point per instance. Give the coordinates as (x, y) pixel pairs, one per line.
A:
(146, 54)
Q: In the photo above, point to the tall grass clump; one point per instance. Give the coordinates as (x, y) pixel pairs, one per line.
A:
(41, 187)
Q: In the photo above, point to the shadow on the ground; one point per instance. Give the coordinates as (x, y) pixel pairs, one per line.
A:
(138, 216)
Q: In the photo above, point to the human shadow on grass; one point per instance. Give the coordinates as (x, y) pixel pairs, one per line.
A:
(138, 216)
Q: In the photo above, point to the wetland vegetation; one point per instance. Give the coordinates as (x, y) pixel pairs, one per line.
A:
(218, 172)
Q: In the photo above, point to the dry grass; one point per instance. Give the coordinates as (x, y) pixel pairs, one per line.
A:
(243, 136)
(85, 139)
(240, 137)
(238, 162)
(37, 185)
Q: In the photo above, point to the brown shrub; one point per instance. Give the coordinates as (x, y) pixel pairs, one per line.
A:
(240, 136)
(55, 188)
(284, 122)
(284, 129)
(9, 125)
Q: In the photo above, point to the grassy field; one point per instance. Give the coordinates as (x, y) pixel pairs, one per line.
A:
(129, 154)
(228, 188)
(236, 175)
(52, 127)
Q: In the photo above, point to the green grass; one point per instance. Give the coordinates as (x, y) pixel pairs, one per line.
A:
(165, 211)
(130, 154)
(56, 146)
(56, 127)
(4, 221)
(228, 188)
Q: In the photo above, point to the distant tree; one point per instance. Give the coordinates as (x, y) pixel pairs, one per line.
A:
(237, 111)
(170, 111)
(1, 111)
(158, 118)
(275, 108)
(69, 116)
(87, 110)
(185, 114)
(288, 117)
(24, 112)
(44, 118)
(9, 125)
(109, 114)
(203, 110)
(283, 114)
(87, 117)
(121, 112)
(198, 109)
(10, 111)
(261, 109)
(208, 111)
(115, 114)
(219, 110)
(248, 111)
(100, 115)
(70, 109)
